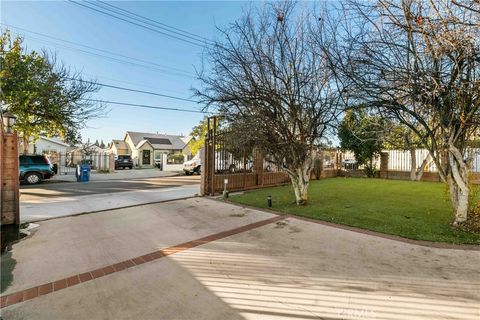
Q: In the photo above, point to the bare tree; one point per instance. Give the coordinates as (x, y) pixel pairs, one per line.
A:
(268, 75)
(418, 61)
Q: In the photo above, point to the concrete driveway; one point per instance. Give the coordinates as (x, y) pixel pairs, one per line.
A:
(203, 259)
(47, 201)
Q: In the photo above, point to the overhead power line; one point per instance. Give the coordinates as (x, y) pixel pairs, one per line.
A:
(159, 24)
(135, 22)
(134, 90)
(143, 63)
(144, 106)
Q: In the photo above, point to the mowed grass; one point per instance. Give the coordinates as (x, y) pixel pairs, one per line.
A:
(415, 210)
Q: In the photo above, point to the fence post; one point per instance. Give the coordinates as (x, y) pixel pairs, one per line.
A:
(111, 163)
(244, 175)
(258, 165)
(384, 165)
(338, 162)
(318, 164)
(207, 186)
(204, 169)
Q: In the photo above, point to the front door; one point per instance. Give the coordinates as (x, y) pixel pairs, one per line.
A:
(146, 157)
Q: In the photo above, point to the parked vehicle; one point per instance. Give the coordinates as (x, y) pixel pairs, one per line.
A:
(34, 169)
(193, 166)
(123, 161)
(350, 164)
(158, 163)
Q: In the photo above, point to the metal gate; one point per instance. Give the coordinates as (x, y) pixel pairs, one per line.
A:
(232, 164)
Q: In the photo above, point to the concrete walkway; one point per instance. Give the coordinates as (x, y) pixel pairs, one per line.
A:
(243, 265)
(119, 175)
(48, 208)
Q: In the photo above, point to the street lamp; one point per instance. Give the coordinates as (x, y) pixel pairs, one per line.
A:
(8, 121)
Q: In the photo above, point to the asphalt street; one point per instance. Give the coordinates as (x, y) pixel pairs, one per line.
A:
(72, 189)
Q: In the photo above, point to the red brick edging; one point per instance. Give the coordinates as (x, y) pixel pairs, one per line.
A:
(47, 288)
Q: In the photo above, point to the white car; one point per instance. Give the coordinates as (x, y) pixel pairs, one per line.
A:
(193, 166)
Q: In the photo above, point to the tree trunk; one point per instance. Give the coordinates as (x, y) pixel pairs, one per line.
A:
(421, 169)
(300, 181)
(413, 163)
(458, 184)
(25, 144)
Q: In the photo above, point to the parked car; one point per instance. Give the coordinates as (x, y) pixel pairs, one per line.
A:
(123, 161)
(34, 169)
(158, 163)
(193, 166)
(349, 164)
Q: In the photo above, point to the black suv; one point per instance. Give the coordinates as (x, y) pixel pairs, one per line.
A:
(123, 161)
(34, 169)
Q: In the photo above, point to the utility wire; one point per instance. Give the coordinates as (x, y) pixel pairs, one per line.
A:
(143, 85)
(137, 24)
(178, 71)
(158, 24)
(134, 90)
(143, 106)
(150, 68)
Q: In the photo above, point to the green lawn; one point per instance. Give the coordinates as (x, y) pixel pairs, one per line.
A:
(415, 210)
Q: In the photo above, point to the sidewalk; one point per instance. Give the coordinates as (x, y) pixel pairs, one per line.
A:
(35, 210)
(120, 175)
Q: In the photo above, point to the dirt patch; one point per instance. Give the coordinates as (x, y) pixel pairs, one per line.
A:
(238, 215)
(472, 224)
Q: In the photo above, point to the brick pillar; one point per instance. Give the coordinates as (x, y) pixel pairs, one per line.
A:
(384, 165)
(318, 164)
(338, 162)
(9, 176)
(111, 163)
(9, 188)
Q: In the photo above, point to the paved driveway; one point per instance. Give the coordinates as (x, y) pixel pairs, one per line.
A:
(202, 259)
(46, 191)
(47, 201)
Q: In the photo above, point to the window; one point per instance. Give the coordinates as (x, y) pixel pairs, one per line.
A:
(157, 155)
(39, 160)
(24, 160)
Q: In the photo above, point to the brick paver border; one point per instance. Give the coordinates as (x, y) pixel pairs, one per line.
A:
(31, 293)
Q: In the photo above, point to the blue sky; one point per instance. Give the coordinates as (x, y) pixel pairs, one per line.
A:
(71, 22)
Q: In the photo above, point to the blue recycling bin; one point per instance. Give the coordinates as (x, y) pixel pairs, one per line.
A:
(83, 173)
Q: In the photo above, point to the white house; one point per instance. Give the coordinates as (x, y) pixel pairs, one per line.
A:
(44, 145)
(148, 149)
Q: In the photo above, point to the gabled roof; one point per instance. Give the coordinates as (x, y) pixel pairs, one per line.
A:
(120, 144)
(141, 143)
(56, 141)
(158, 141)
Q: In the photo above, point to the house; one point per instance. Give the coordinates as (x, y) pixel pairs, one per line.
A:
(118, 147)
(44, 145)
(148, 149)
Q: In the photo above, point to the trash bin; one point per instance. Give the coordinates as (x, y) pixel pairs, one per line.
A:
(83, 173)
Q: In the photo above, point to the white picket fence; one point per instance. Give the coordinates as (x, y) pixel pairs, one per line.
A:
(400, 160)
